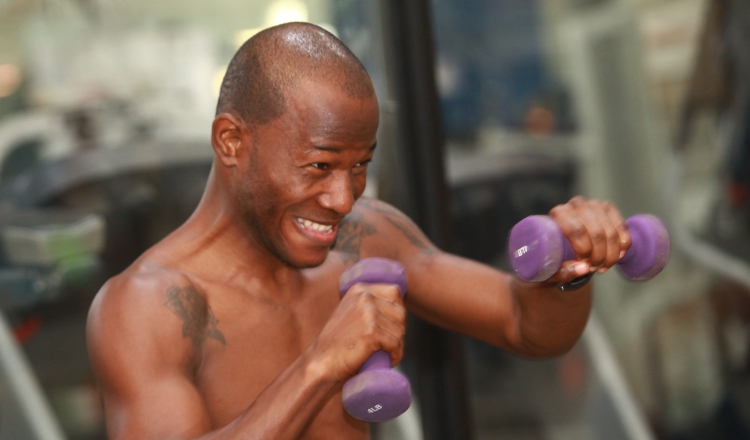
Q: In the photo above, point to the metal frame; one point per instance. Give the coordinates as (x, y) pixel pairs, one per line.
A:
(439, 366)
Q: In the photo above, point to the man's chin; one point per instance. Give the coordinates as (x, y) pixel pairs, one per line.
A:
(307, 262)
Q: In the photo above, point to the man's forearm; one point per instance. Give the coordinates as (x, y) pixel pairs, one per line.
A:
(550, 320)
(285, 407)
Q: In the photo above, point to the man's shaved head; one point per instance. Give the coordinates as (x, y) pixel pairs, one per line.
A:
(268, 66)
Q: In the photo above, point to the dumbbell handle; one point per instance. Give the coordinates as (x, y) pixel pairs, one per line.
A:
(377, 393)
(537, 248)
(374, 271)
(378, 360)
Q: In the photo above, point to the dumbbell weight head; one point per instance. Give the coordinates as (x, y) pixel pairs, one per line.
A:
(536, 248)
(650, 248)
(377, 393)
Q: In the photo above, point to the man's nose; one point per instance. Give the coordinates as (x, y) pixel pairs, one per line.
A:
(339, 195)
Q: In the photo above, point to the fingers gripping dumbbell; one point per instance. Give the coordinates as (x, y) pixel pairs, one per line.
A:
(377, 393)
(537, 248)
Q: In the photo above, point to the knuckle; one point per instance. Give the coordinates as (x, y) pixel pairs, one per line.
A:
(557, 211)
(577, 201)
(627, 240)
(625, 227)
(366, 297)
(599, 236)
(613, 235)
(393, 292)
(577, 231)
(584, 251)
(358, 289)
(386, 292)
(401, 314)
(368, 316)
(371, 329)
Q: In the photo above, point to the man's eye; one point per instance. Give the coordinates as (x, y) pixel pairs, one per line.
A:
(363, 163)
(321, 165)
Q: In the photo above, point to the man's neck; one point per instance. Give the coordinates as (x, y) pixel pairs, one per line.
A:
(228, 249)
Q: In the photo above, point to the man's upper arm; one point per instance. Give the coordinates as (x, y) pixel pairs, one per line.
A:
(144, 365)
(444, 289)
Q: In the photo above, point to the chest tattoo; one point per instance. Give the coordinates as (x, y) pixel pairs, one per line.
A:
(199, 321)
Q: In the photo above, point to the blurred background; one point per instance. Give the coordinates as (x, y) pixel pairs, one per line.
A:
(492, 110)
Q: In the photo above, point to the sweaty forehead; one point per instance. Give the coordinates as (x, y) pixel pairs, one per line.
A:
(327, 106)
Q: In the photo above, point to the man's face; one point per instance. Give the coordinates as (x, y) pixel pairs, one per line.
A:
(306, 170)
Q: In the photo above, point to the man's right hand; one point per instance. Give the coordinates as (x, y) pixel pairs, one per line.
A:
(370, 317)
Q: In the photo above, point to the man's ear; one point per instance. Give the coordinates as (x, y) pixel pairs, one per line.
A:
(228, 139)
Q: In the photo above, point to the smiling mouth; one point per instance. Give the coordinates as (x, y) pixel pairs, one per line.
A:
(313, 226)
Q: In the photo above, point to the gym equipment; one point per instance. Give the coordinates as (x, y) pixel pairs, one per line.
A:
(377, 393)
(537, 248)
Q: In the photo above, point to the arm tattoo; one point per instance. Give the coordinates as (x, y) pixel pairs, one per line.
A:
(349, 239)
(199, 320)
(403, 224)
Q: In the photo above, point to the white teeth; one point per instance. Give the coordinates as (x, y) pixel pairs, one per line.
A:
(315, 226)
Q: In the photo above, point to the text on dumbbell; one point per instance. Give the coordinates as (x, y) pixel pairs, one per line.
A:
(521, 251)
(374, 409)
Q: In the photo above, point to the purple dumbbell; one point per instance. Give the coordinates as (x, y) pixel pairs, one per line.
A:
(537, 248)
(377, 393)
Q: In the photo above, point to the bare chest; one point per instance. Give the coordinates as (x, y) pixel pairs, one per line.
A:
(261, 338)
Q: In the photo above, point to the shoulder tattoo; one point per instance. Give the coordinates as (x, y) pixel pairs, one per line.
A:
(199, 321)
(350, 234)
(402, 223)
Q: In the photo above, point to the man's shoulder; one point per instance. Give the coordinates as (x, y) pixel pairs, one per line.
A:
(382, 229)
(141, 290)
(376, 212)
(134, 328)
(142, 279)
(391, 218)
(372, 205)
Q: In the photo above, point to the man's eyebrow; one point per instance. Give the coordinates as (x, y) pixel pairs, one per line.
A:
(324, 148)
(335, 149)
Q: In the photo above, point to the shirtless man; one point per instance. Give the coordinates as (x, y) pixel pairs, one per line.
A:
(232, 326)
